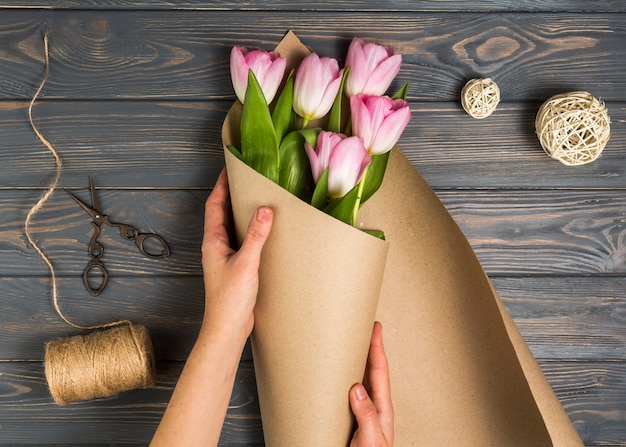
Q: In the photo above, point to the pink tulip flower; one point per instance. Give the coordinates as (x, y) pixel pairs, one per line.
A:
(316, 85)
(379, 120)
(372, 68)
(345, 158)
(268, 67)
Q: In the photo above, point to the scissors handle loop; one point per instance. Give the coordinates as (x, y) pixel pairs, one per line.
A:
(153, 240)
(130, 233)
(95, 265)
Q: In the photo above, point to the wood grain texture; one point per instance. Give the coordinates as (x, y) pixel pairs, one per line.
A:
(592, 394)
(136, 97)
(591, 397)
(329, 5)
(154, 144)
(563, 318)
(517, 232)
(130, 418)
(180, 54)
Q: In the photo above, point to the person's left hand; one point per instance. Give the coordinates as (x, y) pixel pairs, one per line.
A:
(374, 415)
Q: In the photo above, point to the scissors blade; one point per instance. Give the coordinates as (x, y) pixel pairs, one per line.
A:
(95, 202)
(93, 213)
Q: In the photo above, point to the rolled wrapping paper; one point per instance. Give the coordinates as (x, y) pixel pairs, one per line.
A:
(461, 373)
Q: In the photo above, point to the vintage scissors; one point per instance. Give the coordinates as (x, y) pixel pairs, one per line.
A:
(128, 232)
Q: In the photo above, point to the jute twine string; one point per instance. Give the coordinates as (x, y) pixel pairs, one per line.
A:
(115, 357)
(573, 127)
(480, 97)
(100, 364)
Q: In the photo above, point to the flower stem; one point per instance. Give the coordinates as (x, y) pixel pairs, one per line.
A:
(359, 195)
(305, 122)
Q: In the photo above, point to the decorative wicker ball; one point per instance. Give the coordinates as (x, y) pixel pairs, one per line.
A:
(480, 97)
(573, 127)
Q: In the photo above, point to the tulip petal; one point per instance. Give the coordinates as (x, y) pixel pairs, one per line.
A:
(239, 71)
(390, 130)
(382, 76)
(361, 121)
(307, 86)
(373, 67)
(316, 85)
(328, 98)
(346, 166)
(273, 78)
(355, 59)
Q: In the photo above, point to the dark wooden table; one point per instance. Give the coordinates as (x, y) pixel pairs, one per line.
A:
(136, 96)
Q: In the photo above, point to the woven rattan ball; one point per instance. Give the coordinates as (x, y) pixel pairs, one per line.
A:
(573, 127)
(480, 97)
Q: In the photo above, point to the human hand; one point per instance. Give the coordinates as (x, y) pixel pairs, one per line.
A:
(374, 416)
(231, 277)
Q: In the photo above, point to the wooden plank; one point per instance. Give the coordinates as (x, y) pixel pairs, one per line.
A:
(135, 144)
(64, 231)
(170, 307)
(328, 5)
(518, 232)
(571, 318)
(29, 416)
(181, 54)
(544, 232)
(575, 318)
(593, 394)
(146, 144)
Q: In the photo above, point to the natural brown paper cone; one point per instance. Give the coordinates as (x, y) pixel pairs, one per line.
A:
(319, 286)
(461, 373)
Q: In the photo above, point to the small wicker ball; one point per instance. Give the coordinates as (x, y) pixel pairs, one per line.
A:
(573, 127)
(480, 97)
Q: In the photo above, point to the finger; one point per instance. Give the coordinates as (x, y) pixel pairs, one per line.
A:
(215, 215)
(378, 379)
(365, 413)
(256, 235)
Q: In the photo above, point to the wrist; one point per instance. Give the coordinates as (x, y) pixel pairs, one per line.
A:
(233, 339)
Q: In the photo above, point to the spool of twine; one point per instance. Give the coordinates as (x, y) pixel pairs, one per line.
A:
(573, 127)
(480, 97)
(115, 357)
(100, 364)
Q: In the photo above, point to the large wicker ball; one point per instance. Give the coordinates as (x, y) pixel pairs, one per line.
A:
(573, 127)
(480, 97)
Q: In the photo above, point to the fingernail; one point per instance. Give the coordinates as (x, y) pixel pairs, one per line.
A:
(264, 214)
(360, 393)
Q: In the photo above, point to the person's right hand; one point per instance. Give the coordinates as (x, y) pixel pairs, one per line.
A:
(231, 277)
(374, 415)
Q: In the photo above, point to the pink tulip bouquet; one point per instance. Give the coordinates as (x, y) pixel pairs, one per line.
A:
(326, 136)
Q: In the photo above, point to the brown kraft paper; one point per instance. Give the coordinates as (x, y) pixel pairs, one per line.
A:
(461, 373)
(319, 286)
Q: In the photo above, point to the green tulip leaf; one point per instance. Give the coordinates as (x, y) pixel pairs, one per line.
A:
(310, 135)
(375, 175)
(233, 150)
(284, 117)
(334, 120)
(402, 93)
(295, 169)
(376, 233)
(320, 194)
(259, 146)
(343, 208)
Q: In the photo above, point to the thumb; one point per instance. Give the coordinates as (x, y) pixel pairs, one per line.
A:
(365, 412)
(257, 233)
